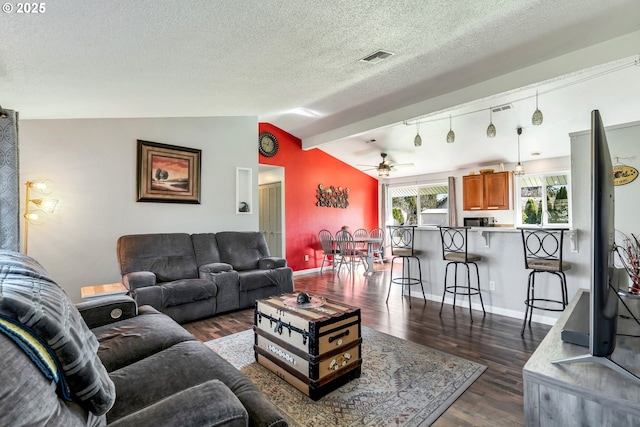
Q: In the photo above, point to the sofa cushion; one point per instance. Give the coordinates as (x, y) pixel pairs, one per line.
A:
(206, 248)
(169, 255)
(165, 373)
(180, 367)
(257, 279)
(208, 404)
(185, 291)
(131, 340)
(30, 399)
(242, 249)
(30, 297)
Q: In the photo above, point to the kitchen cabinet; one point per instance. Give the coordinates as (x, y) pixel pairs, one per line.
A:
(489, 191)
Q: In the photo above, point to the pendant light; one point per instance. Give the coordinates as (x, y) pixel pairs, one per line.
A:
(536, 119)
(451, 136)
(519, 169)
(417, 141)
(491, 130)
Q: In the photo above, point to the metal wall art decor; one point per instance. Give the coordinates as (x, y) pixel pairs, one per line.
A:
(332, 197)
(167, 173)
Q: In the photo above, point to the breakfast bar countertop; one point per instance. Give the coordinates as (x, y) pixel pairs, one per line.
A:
(485, 232)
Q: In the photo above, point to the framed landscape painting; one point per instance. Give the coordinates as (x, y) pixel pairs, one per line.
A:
(168, 173)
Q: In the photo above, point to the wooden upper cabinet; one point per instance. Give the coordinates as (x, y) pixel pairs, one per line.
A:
(485, 191)
(472, 192)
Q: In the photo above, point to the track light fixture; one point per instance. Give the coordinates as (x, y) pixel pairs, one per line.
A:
(417, 141)
(536, 119)
(491, 129)
(519, 169)
(451, 136)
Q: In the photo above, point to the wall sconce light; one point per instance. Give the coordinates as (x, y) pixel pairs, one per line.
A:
(519, 169)
(451, 136)
(536, 119)
(491, 129)
(45, 206)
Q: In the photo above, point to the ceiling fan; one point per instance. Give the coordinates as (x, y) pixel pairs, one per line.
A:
(386, 166)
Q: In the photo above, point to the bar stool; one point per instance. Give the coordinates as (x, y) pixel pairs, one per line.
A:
(454, 250)
(543, 254)
(401, 240)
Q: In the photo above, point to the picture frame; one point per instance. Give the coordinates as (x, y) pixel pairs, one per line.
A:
(168, 173)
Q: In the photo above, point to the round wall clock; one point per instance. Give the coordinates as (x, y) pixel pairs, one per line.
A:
(267, 144)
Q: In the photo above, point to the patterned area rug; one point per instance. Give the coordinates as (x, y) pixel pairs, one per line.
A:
(402, 383)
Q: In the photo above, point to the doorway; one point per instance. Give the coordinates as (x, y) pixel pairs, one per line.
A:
(271, 208)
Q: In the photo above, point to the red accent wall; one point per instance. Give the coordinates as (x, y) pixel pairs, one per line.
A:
(303, 171)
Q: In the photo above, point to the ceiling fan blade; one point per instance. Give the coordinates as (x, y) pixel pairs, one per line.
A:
(368, 166)
(404, 165)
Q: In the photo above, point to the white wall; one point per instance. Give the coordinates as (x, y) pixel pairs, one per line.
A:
(623, 142)
(92, 163)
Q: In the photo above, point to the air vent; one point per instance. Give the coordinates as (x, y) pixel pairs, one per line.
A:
(376, 57)
(504, 107)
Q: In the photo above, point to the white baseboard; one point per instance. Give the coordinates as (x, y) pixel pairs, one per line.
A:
(462, 303)
(308, 271)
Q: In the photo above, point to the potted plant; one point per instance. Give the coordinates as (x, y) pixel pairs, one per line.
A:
(628, 251)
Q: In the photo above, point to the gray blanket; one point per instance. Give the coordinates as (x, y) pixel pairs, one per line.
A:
(30, 297)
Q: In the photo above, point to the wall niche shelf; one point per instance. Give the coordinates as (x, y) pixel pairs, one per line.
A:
(244, 205)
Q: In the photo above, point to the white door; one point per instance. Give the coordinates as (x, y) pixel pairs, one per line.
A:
(270, 201)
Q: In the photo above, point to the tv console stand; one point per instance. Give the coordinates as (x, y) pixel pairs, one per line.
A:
(576, 331)
(586, 394)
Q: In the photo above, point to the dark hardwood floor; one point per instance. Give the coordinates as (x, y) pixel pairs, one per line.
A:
(495, 399)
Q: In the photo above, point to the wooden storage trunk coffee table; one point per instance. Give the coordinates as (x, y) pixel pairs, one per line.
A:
(315, 347)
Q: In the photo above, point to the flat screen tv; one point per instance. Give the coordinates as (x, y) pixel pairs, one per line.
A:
(603, 299)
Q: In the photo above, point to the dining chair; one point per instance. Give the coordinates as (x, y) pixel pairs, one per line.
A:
(361, 233)
(331, 253)
(350, 255)
(378, 247)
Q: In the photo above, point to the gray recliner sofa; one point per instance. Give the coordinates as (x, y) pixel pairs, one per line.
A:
(108, 362)
(190, 277)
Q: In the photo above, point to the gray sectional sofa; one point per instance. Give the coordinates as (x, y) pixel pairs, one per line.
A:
(108, 362)
(190, 277)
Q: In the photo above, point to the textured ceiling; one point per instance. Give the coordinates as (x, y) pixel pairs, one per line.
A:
(191, 58)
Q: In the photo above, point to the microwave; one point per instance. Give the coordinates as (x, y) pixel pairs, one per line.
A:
(479, 222)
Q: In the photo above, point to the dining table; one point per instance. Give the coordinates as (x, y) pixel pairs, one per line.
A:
(369, 241)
